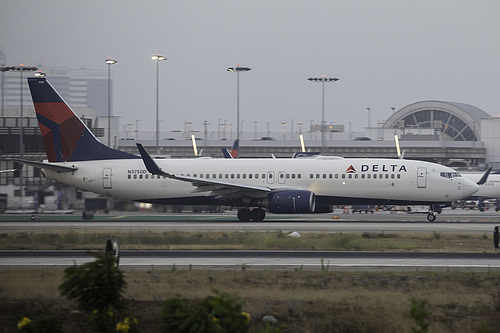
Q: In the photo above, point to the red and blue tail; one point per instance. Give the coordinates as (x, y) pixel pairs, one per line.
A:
(235, 150)
(65, 136)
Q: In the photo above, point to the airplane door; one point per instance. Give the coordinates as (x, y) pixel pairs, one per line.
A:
(106, 178)
(422, 177)
(282, 177)
(270, 177)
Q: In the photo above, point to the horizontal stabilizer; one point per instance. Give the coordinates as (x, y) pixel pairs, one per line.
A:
(48, 166)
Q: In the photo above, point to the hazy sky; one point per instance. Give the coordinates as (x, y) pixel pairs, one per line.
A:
(386, 53)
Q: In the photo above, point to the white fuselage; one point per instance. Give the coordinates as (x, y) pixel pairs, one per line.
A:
(336, 179)
(490, 189)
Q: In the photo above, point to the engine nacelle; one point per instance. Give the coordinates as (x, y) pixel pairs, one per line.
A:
(291, 202)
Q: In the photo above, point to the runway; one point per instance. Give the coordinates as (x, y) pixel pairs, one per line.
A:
(450, 221)
(316, 260)
(459, 222)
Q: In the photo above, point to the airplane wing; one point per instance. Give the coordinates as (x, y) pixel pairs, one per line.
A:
(218, 188)
(49, 166)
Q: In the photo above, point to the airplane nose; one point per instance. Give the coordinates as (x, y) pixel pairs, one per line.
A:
(469, 187)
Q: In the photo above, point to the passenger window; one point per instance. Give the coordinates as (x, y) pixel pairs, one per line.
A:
(227, 176)
(350, 175)
(129, 176)
(238, 176)
(140, 176)
(311, 176)
(374, 176)
(299, 176)
(135, 176)
(263, 176)
(317, 176)
(386, 176)
(244, 176)
(399, 176)
(363, 176)
(336, 176)
(146, 176)
(293, 176)
(392, 176)
(369, 176)
(324, 176)
(250, 175)
(232, 176)
(356, 176)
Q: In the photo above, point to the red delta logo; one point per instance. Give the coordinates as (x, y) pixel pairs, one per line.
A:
(350, 169)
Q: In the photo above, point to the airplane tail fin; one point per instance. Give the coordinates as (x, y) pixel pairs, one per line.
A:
(65, 136)
(235, 150)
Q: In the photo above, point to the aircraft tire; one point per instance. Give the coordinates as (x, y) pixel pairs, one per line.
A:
(244, 215)
(258, 215)
(431, 217)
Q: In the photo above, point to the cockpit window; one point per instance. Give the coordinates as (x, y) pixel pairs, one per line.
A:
(450, 174)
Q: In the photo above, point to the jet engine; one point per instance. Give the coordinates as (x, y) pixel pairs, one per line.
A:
(291, 202)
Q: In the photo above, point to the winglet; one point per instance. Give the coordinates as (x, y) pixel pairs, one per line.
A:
(150, 164)
(484, 178)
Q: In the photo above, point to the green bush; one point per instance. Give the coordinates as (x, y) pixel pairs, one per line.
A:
(219, 313)
(97, 287)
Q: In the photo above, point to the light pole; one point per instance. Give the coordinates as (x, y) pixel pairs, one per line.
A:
(157, 58)
(322, 79)
(284, 129)
(21, 68)
(109, 62)
(205, 124)
(238, 69)
(137, 129)
(369, 120)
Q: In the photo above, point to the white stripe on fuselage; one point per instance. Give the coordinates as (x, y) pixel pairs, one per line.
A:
(128, 177)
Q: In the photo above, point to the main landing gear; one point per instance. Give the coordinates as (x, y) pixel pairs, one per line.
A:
(431, 214)
(256, 214)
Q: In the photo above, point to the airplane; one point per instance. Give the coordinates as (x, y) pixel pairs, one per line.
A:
(489, 188)
(283, 186)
